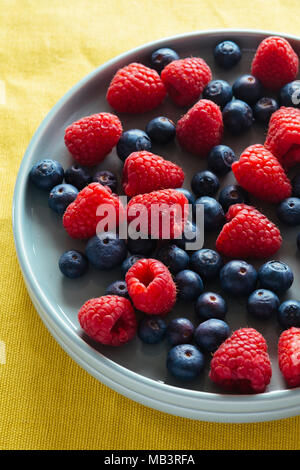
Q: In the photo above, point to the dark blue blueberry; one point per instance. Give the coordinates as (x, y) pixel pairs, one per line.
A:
(189, 285)
(207, 263)
(247, 88)
(141, 246)
(117, 288)
(128, 262)
(275, 276)
(264, 108)
(161, 130)
(232, 194)
(205, 183)
(106, 250)
(190, 197)
(185, 362)
(288, 314)
(132, 141)
(288, 211)
(220, 159)
(152, 329)
(162, 57)
(218, 91)
(61, 196)
(46, 174)
(180, 331)
(290, 94)
(73, 264)
(174, 258)
(263, 304)
(210, 305)
(190, 236)
(298, 241)
(238, 278)
(214, 216)
(210, 334)
(106, 178)
(296, 186)
(227, 54)
(237, 116)
(78, 176)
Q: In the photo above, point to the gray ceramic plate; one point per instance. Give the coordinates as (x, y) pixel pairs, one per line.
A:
(136, 370)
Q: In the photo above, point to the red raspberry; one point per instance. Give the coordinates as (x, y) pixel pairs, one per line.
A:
(109, 320)
(151, 287)
(260, 173)
(283, 138)
(242, 363)
(275, 62)
(91, 138)
(201, 128)
(159, 212)
(185, 79)
(135, 89)
(248, 234)
(80, 219)
(289, 356)
(144, 172)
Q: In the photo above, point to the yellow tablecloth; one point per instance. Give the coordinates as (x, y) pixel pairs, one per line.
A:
(46, 400)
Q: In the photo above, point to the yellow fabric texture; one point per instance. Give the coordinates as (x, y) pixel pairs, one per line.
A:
(46, 400)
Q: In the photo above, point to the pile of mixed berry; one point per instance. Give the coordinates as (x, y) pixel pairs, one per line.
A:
(157, 272)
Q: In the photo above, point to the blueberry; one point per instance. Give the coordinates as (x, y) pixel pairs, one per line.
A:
(161, 130)
(106, 250)
(205, 183)
(141, 246)
(288, 211)
(298, 241)
(247, 88)
(174, 258)
(214, 216)
(262, 304)
(275, 276)
(264, 108)
(210, 305)
(296, 186)
(132, 141)
(207, 263)
(106, 178)
(227, 54)
(78, 176)
(185, 362)
(238, 278)
(190, 235)
(218, 91)
(288, 314)
(46, 174)
(162, 57)
(180, 331)
(61, 196)
(117, 288)
(237, 116)
(128, 262)
(232, 194)
(290, 94)
(189, 285)
(220, 159)
(152, 329)
(190, 197)
(210, 334)
(73, 264)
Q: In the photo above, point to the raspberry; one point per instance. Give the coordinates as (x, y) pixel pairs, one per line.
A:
(162, 214)
(80, 219)
(108, 320)
(135, 89)
(91, 138)
(283, 138)
(201, 128)
(151, 287)
(185, 79)
(260, 173)
(248, 234)
(242, 363)
(145, 172)
(275, 62)
(289, 356)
